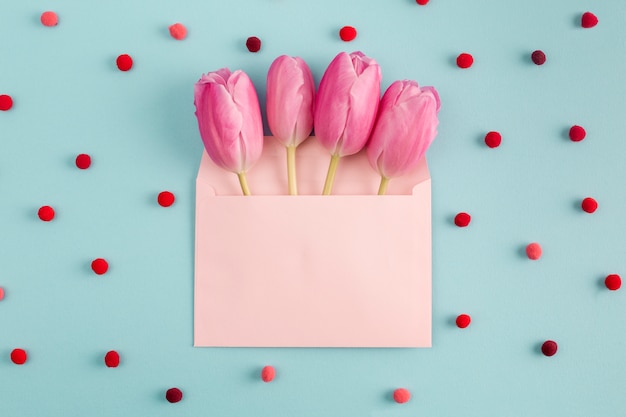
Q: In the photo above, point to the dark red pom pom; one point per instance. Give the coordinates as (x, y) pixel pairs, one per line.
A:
(253, 44)
(493, 139)
(6, 102)
(124, 62)
(46, 213)
(549, 348)
(99, 266)
(112, 359)
(83, 161)
(268, 373)
(538, 57)
(589, 205)
(173, 395)
(347, 33)
(462, 219)
(588, 20)
(464, 60)
(19, 356)
(166, 198)
(401, 395)
(613, 282)
(577, 133)
(463, 320)
(422, 2)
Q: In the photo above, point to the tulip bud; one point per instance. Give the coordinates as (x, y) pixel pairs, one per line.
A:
(346, 106)
(229, 119)
(405, 127)
(290, 99)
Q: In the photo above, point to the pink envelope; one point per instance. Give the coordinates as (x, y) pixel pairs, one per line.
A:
(348, 270)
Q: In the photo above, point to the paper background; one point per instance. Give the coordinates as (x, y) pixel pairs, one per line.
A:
(140, 129)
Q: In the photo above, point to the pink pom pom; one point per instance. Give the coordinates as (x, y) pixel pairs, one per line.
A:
(49, 19)
(533, 251)
(268, 373)
(401, 395)
(178, 31)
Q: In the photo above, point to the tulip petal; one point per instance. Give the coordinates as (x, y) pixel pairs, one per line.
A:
(332, 103)
(405, 128)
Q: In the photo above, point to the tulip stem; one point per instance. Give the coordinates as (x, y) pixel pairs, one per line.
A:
(291, 170)
(384, 181)
(330, 177)
(244, 183)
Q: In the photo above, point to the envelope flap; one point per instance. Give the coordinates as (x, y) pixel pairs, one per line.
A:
(268, 176)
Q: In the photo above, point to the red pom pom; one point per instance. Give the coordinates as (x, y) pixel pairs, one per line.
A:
(549, 348)
(19, 356)
(46, 213)
(112, 359)
(268, 373)
(538, 57)
(173, 395)
(166, 198)
(124, 62)
(493, 139)
(589, 205)
(83, 161)
(1, 293)
(401, 395)
(253, 44)
(6, 102)
(588, 20)
(463, 320)
(533, 251)
(462, 219)
(422, 2)
(613, 282)
(577, 133)
(347, 33)
(178, 31)
(99, 266)
(49, 18)
(464, 60)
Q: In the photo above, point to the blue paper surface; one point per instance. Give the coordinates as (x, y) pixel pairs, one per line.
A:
(140, 129)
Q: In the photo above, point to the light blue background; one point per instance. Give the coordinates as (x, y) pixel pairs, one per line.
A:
(140, 129)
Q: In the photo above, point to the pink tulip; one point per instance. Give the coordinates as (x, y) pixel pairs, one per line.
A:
(290, 98)
(229, 118)
(346, 105)
(405, 127)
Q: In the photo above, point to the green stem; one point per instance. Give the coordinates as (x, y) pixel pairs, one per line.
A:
(330, 177)
(384, 181)
(243, 181)
(291, 170)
